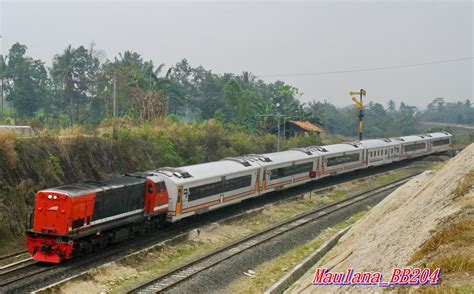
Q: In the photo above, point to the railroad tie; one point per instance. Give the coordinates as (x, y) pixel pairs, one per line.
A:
(190, 271)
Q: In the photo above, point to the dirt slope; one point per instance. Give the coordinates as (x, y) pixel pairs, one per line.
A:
(397, 227)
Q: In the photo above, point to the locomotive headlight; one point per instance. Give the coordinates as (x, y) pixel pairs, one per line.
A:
(55, 197)
(50, 196)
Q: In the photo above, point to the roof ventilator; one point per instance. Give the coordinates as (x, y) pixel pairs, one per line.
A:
(353, 144)
(171, 171)
(321, 149)
(242, 160)
(307, 151)
(255, 157)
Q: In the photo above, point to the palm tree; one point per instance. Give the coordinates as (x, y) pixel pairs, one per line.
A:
(247, 78)
(166, 87)
(63, 72)
(155, 92)
(3, 76)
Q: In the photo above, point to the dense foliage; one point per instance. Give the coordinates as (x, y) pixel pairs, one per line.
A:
(452, 112)
(378, 121)
(80, 86)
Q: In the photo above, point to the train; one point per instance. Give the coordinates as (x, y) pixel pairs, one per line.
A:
(77, 219)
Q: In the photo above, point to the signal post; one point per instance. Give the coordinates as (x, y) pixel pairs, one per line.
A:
(359, 104)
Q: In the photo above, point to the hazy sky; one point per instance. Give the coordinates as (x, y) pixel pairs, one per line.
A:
(270, 38)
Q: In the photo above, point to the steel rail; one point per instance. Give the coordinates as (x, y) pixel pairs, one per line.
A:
(14, 254)
(13, 266)
(24, 272)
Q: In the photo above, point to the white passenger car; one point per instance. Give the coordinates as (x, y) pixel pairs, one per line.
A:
(381, 151)
(287, 168)
(202, 187)
(414, 146)
(440, 142)
(342, 158)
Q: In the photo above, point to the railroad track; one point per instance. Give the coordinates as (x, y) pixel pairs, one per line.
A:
(11, 255)
(22, 270)
(182, 273)
(12, 266)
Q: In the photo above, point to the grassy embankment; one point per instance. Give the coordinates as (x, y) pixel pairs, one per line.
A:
(452, 248)
(72, 155)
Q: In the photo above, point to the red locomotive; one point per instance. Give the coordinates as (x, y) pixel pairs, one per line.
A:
(76, 219)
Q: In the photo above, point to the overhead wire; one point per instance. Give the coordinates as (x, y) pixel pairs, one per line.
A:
(369, 69)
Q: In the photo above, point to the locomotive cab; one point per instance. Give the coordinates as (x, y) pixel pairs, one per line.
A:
(51, 212)
(156, 198)
(79, 218)
(46, 240)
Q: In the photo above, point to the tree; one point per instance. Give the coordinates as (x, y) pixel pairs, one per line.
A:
(76, 71)
(201, 90)
(285, 94)
(27, 81)
(154, 92)
(233, 99)
(142, 92)
(392, 106)
(3, 77)
(439, 102)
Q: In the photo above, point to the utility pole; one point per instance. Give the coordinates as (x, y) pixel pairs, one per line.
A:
(1, 93)
(114, 106)
(278, 115)
(359, 105)
(3, 61)
(278, 135)
(114, 103)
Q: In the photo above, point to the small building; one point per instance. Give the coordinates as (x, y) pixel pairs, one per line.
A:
(301, 128)
(20, 131)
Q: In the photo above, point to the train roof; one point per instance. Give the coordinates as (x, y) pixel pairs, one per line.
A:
(440, 135)
(287, 156)
(343, 147)
(379, 143)
(88, 187)
(413, 138)
(207, 170)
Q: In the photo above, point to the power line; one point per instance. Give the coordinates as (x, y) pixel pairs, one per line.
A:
(369, 69)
